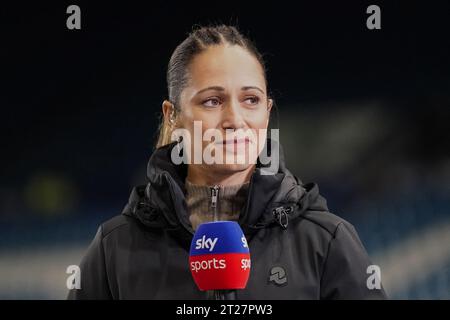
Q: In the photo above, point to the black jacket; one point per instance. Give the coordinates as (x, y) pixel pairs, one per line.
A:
(299, 250)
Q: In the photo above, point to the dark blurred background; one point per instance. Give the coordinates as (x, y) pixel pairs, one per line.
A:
(364, 113)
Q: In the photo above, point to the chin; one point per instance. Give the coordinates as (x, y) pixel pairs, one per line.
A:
(231, 168)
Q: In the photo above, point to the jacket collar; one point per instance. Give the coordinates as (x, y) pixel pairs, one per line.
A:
(161, 203)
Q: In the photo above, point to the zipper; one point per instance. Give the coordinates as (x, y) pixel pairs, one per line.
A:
(214, 198)
(214, 294)
(281, 215)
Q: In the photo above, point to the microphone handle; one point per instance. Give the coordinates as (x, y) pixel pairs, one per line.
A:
(221, 295)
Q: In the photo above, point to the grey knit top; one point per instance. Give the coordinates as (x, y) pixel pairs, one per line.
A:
(230, 202)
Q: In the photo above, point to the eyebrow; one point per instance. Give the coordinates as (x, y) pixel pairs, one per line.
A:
(219, 88)
(252, 87)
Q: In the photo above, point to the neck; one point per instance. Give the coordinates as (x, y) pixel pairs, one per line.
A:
(199, 175)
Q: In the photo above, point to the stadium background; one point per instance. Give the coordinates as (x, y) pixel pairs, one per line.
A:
(363, 113)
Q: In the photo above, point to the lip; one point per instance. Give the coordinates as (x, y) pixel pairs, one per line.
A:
(235, 141)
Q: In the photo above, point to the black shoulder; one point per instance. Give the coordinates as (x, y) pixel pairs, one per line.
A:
(115, 223)
(325, 220)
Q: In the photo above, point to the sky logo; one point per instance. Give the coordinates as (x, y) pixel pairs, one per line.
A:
(244, 242)
(206, 243)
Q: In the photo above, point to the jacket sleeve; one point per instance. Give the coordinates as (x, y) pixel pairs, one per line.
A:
(93, 277)
(345, 272)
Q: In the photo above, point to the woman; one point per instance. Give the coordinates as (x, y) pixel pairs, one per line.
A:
(216, 80)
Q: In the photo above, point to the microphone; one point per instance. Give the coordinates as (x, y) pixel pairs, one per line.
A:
(219, 259)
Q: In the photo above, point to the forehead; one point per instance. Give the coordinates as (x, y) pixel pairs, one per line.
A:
(225, 65)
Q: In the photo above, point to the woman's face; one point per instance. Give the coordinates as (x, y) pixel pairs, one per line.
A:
(226, 92)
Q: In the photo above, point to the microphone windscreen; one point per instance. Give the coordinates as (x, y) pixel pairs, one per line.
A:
(219, 258)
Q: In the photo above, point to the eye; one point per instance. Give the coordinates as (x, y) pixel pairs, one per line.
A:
(211, 102)
(252, 100)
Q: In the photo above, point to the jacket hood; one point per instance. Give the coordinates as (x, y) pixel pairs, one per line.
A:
(274, 198)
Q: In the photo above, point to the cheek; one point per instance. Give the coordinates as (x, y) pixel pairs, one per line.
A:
(257, 119)
(208, 119)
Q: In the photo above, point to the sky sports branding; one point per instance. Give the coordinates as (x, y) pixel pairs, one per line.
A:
(219, 237)
(204, 243)
(207, 264)
(244, 241)
(219, 256)
(208, 243)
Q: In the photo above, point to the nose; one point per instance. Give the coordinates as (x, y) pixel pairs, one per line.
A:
(232, 117)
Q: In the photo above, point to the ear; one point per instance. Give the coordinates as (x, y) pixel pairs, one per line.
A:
(269, 108)
(269, 105)
(168, 111)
